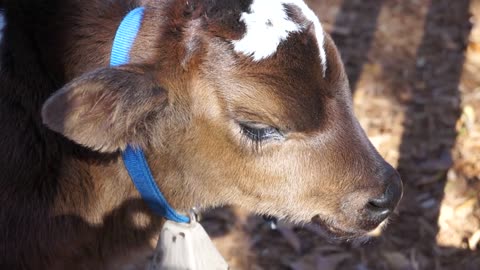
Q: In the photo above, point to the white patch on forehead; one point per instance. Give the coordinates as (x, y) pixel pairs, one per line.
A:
(267, 25)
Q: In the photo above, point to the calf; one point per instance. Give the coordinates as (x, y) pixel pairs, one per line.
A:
(234, 102)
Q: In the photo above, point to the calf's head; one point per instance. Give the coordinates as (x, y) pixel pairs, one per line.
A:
(237, 102)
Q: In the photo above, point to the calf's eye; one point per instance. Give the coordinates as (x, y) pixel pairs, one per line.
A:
(260, 132)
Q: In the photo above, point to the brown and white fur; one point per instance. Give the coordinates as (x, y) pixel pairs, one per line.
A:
(234, 102)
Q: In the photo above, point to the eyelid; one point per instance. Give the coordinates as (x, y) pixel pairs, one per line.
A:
(255, 124)
(249, 127)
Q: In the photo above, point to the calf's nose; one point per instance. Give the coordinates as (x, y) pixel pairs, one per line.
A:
(379, 208)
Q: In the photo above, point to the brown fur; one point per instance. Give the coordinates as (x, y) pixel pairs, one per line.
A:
(67, 201)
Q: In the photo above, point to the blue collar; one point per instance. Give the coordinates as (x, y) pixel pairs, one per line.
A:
(134, 158)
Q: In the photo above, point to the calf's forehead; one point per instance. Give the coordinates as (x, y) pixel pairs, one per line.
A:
(275, 73)
(270, 23)
(286, 89)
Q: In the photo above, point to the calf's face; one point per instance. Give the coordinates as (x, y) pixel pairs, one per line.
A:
(247, 105)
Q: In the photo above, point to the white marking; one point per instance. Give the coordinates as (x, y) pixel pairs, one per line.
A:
(268, 25)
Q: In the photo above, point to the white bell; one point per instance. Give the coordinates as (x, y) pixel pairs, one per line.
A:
(186, 246)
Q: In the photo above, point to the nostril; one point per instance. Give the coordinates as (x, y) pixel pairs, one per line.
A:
(389, 198)
(379, 203)
(381, 207)
(378, 209)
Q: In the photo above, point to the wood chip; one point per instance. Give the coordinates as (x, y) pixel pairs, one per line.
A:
(474, 241)
(466, 208)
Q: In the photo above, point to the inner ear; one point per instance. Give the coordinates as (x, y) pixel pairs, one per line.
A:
(108, 108)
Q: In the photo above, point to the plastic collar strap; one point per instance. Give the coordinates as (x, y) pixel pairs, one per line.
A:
(134, 158)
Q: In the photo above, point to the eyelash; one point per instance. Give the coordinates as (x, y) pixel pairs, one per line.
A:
(256, 136)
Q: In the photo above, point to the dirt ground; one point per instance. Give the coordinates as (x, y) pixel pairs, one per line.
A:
(414, 71)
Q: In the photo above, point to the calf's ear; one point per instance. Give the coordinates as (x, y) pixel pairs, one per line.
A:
(106, 109)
